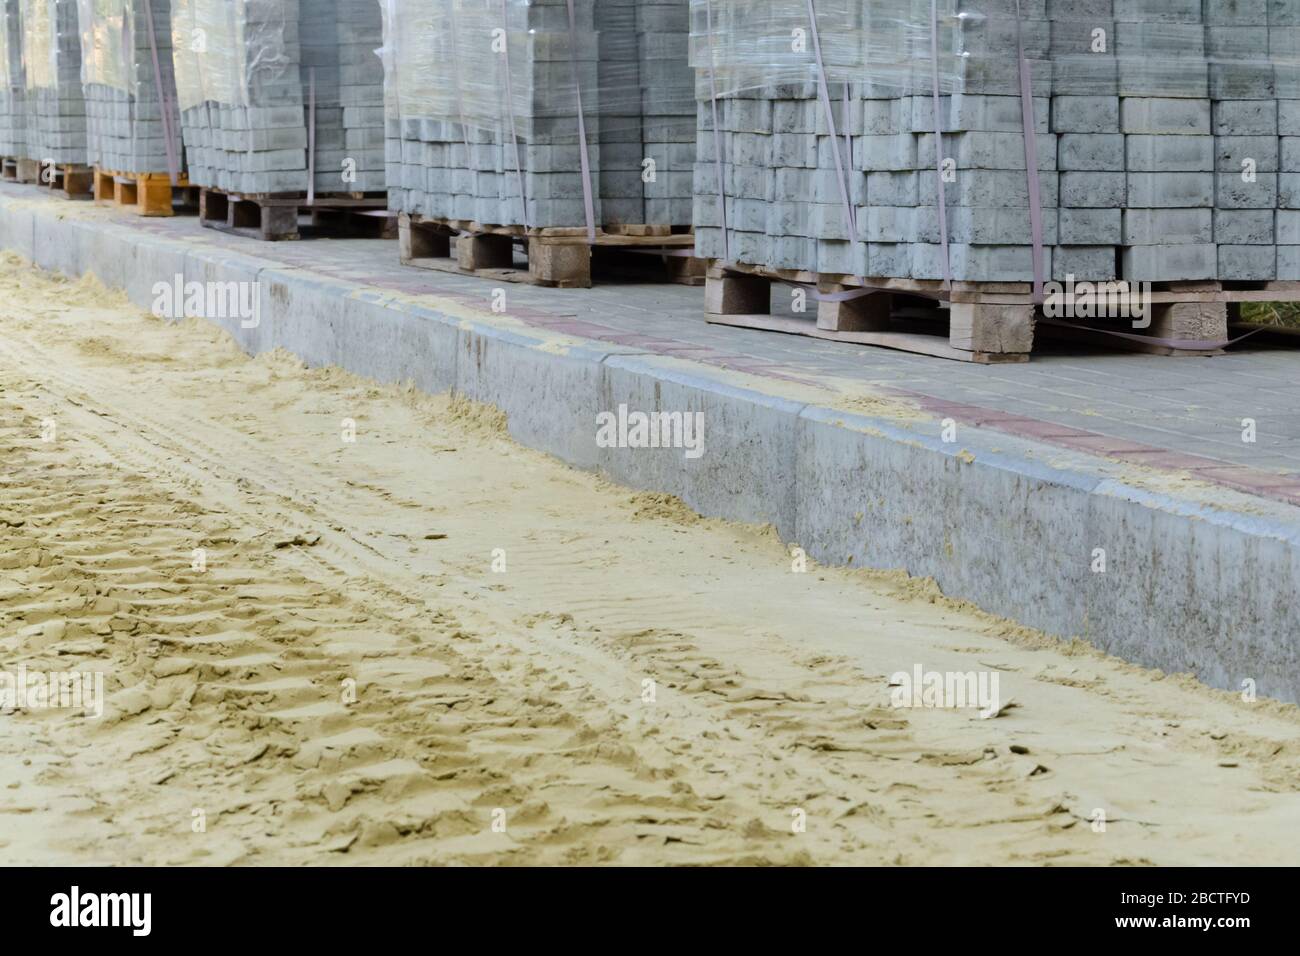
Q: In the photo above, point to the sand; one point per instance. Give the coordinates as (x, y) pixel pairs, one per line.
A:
(430, 645)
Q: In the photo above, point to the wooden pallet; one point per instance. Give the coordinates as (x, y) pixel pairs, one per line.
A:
(985, 323)
(146, 194)
(275, 217)
(70, 180)
(558, 257)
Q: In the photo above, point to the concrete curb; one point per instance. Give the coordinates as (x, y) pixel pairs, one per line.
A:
(1201, 583)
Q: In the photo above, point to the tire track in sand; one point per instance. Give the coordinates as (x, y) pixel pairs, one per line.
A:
(758, 729)
(224, 693)
(522, 690)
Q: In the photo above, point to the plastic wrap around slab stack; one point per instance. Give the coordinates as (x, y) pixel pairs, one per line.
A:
(13, 115)
(274, 93)
(132, 124)
(1164, 143)
(563, 103)
(55, 106)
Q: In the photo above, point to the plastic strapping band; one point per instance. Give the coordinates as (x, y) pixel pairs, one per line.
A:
(164, 104)
(588, 202)
(848, 137)
(1031, 160)
(824, 93)
(311, 136)
(1192, 345)
(938, 142)
(717, 135)
(510, 108)
(460, 99)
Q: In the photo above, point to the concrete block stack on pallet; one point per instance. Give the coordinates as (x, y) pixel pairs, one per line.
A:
(1154, 152)
(281, 98)
(56, 107)
(485, 103)
(539, 116)
(239, 95)
(13, 115)
(132, 124)
(826, 150)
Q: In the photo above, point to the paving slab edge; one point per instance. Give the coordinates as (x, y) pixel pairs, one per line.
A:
(1195, 583)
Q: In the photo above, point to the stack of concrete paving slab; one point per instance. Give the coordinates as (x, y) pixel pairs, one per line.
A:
(1160, 146)
(132, 124)
(281, 96)
(540, 113)
(342, 78)
(647, 111)
(55, 105)
(13, 115)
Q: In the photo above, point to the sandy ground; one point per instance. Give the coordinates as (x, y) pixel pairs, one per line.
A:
(350, 679)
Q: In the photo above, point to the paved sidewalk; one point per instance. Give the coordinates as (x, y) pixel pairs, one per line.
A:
(1163, 412)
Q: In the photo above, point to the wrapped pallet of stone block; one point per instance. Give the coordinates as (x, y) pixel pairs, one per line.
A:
(829, 156)
(55, 105)
(281, 96)
(132, 122)
(540, 113)
(1148, 140)
(13, 116)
